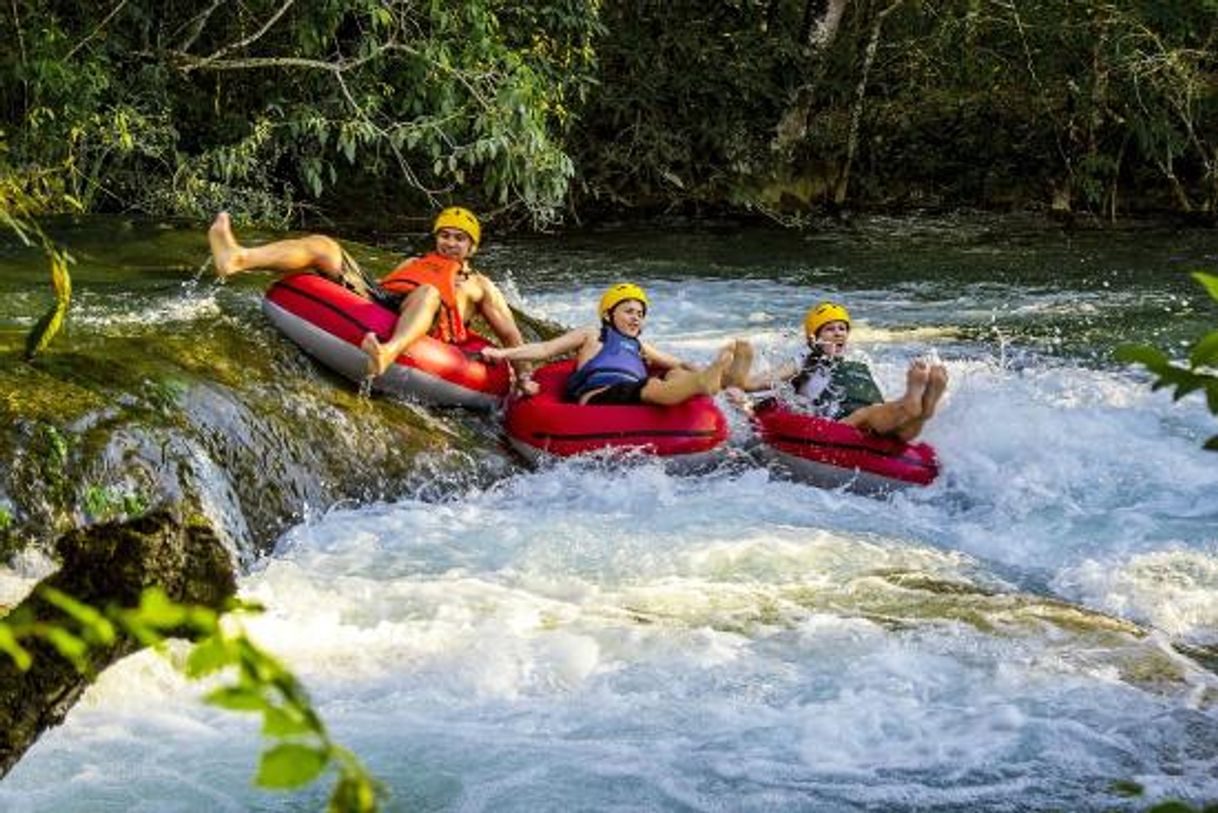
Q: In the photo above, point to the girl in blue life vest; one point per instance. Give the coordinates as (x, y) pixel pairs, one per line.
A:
(844, 390)
(612, 366)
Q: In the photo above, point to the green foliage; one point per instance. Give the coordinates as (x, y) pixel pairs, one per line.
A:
(986, 102)
(52, 463)
(17, 202)
(104, 504)
(1201, 374)
(688, 98)
(6, 518)
(270, 109)
(262, 106)
(302, 749)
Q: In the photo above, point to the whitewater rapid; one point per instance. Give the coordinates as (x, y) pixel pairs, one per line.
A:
(603, 638)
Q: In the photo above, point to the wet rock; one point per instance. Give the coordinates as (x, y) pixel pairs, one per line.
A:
(105, 565)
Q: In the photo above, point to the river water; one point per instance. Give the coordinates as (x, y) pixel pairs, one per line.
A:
(603, 638)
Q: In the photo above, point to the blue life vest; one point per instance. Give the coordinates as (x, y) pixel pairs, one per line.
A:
(620, 360)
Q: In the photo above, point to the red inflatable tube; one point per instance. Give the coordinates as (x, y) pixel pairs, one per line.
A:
(546, 424)
(829, 453)
(329, 322)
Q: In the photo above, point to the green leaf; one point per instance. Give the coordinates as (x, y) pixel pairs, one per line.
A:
(238, 698)
(1185, 383)
(68, 645)
(353, 794)
(1211, 445)
(1151, 357)
(209, 656)
(157, 611)
(48, 326)
(1209, 282)
(8, 645)
(290, 766)
(61, 280)
(285, 722)
(96, 626)
(1172, 806)
(346, 143)
(202, 619)
(44, 330)
(1205, 351)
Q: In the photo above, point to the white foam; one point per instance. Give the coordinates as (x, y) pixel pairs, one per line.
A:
(1174, 590)
(190, 306)
(597, 637)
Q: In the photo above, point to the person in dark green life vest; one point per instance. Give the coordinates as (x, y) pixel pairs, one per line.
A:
(844, 390)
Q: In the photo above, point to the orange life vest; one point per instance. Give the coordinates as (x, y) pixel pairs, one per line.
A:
(441, 273)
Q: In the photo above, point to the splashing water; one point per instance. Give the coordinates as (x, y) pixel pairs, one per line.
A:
(593, 637)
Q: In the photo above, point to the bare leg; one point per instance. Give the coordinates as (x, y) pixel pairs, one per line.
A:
(298, 254)
(418, 312)
(742, 361)
(681, 385)
(930, 399)
(896, 417)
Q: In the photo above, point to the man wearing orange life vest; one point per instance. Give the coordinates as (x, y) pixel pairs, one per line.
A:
(435, 294)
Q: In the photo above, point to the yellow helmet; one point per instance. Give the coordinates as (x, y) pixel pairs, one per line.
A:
(822, 314)
(455, 217)
(620, 293)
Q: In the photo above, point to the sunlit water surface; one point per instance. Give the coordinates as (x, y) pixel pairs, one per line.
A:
(602, 638)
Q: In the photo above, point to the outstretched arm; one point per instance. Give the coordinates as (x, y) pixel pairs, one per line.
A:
(495, 310)
(539, 351)
(498, 314)
(664, 361)
(766, 380)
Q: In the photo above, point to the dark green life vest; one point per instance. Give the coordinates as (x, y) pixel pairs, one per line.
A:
(849, 386)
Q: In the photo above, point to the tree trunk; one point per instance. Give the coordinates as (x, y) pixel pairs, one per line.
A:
(105, 565)
(860, 93)
(822, 18)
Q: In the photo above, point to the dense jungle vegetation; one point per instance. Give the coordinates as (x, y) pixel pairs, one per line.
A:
(287, 110)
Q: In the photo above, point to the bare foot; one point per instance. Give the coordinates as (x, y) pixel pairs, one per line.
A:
(916, 381)
(917, 377)
(934, 390)
(379, 356)
(527, 387)
(225, 252)
(742, 361)
(711, 377)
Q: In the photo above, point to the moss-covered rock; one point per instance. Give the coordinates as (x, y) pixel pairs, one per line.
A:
(164, 390)
(104, 565)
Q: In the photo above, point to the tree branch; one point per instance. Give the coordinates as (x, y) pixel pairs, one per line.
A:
(189, 62)
(198, 22)
(257, 35)
(93, 33)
